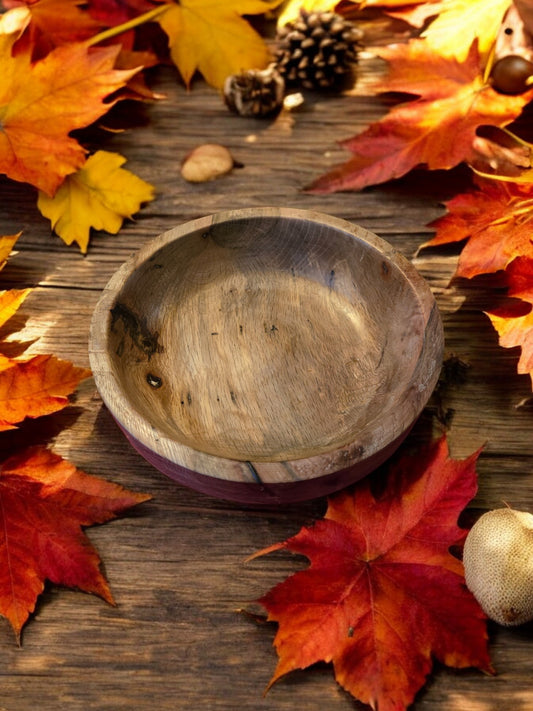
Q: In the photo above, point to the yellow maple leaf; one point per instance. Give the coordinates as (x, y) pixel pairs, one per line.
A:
(291, 9)
(513, 332)
(10, 301)
(101, 194)
(214, 39)
(7, 242)
(460, 22)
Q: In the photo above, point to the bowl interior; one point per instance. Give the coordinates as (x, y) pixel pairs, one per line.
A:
(265, 339)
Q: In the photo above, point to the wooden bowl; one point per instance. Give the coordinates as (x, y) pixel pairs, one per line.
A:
(266, 355)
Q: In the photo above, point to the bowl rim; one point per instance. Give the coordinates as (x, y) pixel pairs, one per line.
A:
(182, 455)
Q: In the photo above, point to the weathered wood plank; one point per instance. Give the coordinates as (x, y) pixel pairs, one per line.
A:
(176, 564)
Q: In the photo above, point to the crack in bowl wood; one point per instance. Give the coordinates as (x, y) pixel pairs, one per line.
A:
(266, 355)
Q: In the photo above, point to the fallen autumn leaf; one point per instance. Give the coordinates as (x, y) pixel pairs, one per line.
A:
(101, 194)
(383, 595)
(42, 102)
(44, 503)
(435, 130)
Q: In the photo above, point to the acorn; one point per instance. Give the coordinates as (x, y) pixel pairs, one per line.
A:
(512, 74)
(498, 565)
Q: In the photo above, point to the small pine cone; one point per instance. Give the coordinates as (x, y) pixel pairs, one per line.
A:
(257, 93)
(318, 50)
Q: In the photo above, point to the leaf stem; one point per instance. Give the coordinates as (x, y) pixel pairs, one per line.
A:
(129, 25)
(490, 63)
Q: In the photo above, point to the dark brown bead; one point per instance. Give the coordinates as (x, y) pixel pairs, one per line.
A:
(512, 74)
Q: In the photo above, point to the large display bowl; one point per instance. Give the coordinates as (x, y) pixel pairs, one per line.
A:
(266, 355)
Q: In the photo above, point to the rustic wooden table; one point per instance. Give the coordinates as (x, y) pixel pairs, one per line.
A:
(176, 564)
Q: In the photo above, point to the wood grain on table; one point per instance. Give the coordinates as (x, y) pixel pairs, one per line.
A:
(176, 565)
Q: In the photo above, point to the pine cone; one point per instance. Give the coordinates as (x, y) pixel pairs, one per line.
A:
(255, 92)
(318, 50)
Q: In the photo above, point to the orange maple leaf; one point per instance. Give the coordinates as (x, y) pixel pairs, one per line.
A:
(43, 101)
(514, 323)
(383, 593)
(44, 502)
(436, 130)
(36, 387)
(495, 219)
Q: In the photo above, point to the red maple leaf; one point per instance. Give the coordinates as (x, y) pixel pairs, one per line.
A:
(495, 218)
(436, 130)
(44, 502)
(520, 277)
(53, 23)
(115, 12)
(383, 594)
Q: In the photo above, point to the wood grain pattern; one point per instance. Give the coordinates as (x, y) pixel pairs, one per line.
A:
(176, 564)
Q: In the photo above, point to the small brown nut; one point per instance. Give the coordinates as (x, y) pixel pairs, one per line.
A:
(206, 162)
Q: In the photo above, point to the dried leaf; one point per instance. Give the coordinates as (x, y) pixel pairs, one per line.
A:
(460, 22)
(383, 594)
(136, 87)
(116, 12)
(55, 22)
(436, 130)
(42, 102)
(415, 15)
(7, 242)
(520, 276)
(101, 195)
(502, 155)
(516, 331)
(214, 38)
(389, 4)
(35, 387)
(514, 37)
(495, 218)
(10, 301)
(291, 9)
(514, 324)
(44, 502)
